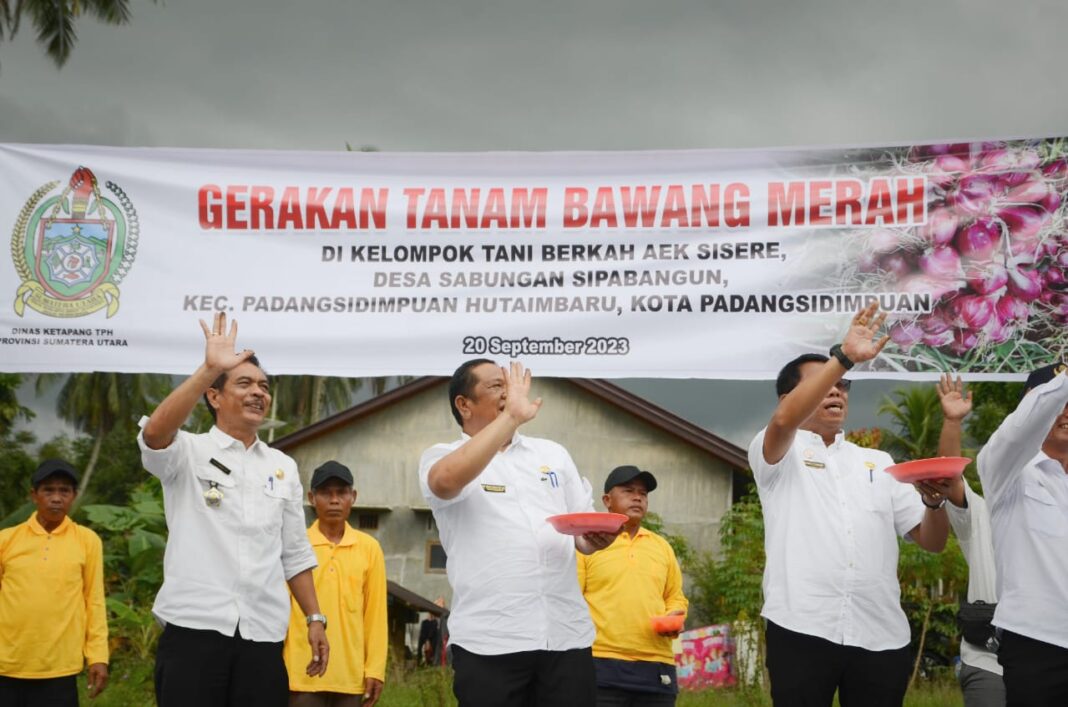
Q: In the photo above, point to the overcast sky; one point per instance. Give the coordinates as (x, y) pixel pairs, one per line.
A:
(464, 75)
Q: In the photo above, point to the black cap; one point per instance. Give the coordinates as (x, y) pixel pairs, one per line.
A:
(331, 470)
(53, 466)
(623, 474)
(1043, 375)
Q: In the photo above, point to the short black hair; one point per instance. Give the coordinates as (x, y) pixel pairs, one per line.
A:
(462, 382)
(219, 382)
(790, 375)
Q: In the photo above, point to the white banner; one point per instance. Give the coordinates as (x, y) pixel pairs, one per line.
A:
(720, 264)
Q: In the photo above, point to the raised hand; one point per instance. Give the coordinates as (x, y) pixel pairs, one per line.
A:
(860, 343)
(517, 402)
(955, 403)
(219, 349)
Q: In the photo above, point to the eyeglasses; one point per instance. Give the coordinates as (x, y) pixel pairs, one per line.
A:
(843, 385)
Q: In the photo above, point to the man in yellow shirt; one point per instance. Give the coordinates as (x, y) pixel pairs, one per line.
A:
(52, 616)
(636, 578)
(350, 582)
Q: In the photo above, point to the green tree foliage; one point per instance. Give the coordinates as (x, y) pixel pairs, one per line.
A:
(916, 421)
(98, 403)
(727, 587)
(16, 466)
(53, 21)
(993, 402)
(10, 409)
(134, 537)
(302, 400)
(931, 585)
(683, 552)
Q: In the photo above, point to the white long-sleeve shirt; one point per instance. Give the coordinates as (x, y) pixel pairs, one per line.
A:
(1027, 493)
(228, 563)
(972, 528)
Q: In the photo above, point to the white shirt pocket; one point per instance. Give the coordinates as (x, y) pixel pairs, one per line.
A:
(273, 497)
(1042, 512)
(214, 487)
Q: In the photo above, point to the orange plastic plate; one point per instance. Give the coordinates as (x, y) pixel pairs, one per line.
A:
(668, 624)
(582, 523)
(924, 469)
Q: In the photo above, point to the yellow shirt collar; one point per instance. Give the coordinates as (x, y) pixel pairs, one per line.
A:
(36, 527)
(316, 537)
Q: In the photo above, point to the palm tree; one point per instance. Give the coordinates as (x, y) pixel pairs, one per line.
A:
(54, 20)
(95, 403)
(916, 414)
(300, 401)
(303, 400)
(10, 410)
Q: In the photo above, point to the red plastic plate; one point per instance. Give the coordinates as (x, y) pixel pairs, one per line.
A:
(923, 469)
(582, 523)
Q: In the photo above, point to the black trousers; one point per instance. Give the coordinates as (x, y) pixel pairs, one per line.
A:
(614, 697)
(526, 679)
(208, 669)
(805, 672)
(43, 692)
(1036, 673)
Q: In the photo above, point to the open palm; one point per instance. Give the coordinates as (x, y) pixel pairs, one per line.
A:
(219, 345)
(518, 404)
(860, 343)
(956, 404)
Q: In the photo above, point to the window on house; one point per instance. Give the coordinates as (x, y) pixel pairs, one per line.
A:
(435, 557)
(367, 521)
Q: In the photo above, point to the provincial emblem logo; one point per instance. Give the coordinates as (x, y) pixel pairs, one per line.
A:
(72, 248)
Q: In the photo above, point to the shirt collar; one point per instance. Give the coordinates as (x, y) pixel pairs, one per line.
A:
(316, 537)
(36, 527)
(838, 439)
(224, 440)
(625, 536)
(1047, 463)
(516, 439)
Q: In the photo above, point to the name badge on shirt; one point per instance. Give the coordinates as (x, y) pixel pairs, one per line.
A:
(494, 488)
(815, 464)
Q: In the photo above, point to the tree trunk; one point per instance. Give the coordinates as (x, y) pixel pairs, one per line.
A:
(94, 455)
(919, 649)
(318, 391)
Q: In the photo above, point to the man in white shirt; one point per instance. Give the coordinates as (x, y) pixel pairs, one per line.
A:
(980, 673)
(520, 630)
(1024, 470)
(236, 537)
(831, 516)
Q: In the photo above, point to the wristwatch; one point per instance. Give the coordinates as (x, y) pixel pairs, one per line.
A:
(315, 617)
(935, 507)
(839, 354)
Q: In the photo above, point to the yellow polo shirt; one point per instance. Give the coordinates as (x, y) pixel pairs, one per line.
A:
(52, 615)
(350, 583)
(626, 584)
